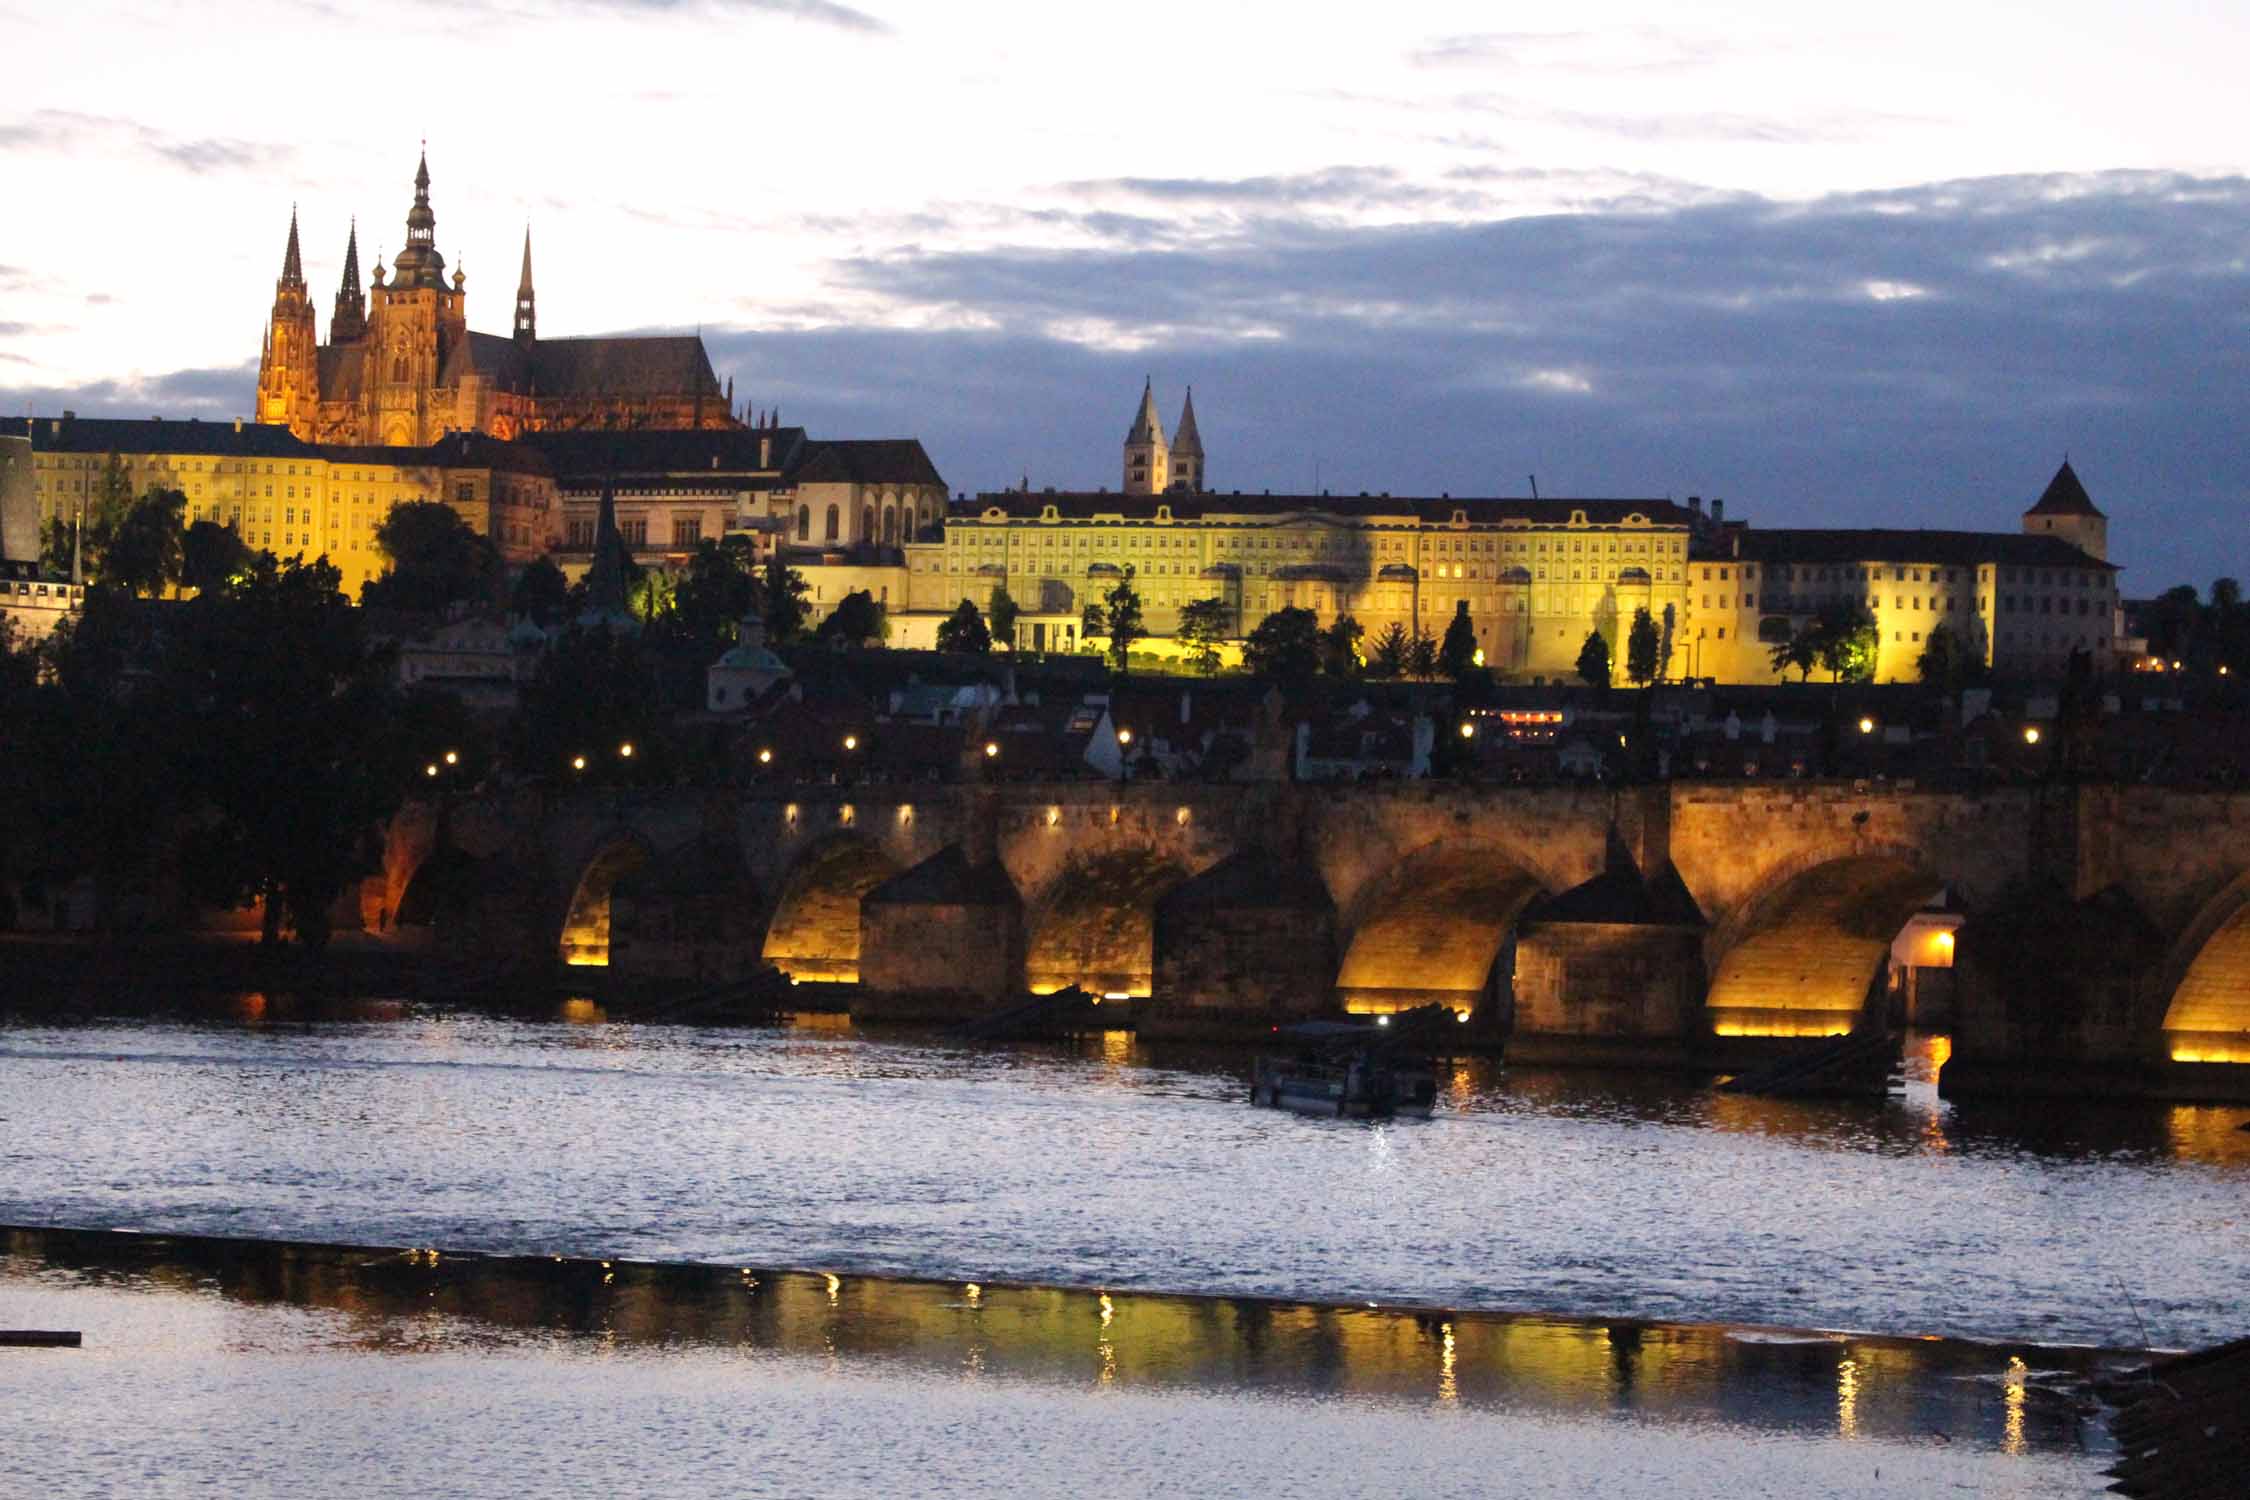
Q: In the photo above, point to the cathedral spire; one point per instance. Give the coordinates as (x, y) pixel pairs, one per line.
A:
(1148, 461)
(292, 263)
(1147, 426)
(348, 322)
(419, 264)
(527, 319)
(1187, 450)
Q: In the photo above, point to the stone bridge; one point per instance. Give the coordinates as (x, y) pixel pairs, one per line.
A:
(2105, 942)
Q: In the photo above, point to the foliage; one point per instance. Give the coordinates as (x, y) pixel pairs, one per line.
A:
(1002, 611)
(1339, 647)
(1286, 646)
(1945, 661)
(1846, 638)
(963, 631)
(1458, 654)
(1640, 649)
(1593, 660)
(593, 694)
(1391, 650)
(105, 511)
(1799, 649)
(1122, 619)
(1664, 647)
(857, 620)
(1203, 624)
(288, 747)
(211, 556)
(144, 552)
(1422, 655)
(785, 592)
(717, 591)
(2202, 634)
(436, 560)
(1093, 620)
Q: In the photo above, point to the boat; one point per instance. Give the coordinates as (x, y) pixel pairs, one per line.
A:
(1343, 1070)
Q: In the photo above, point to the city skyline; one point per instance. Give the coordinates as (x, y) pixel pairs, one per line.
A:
(1837, 279)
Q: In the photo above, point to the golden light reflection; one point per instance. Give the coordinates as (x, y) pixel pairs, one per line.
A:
(581, 1011)
(1448, 1388)
(1782, 1023)
(2011, 1440)
(1109, 1310)
(2212, 1048)
(251, 1007)
(1847, 1399)
(976, 1293)
(1117, 1048)
(835, 1286)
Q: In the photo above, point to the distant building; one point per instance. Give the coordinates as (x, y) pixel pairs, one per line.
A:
(32, 602)
(401, 367)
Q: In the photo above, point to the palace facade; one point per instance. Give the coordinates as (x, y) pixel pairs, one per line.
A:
(402, 368)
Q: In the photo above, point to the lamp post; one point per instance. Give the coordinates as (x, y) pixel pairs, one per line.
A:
(1124, 753)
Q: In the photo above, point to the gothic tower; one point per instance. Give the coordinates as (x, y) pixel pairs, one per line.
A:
(348, 323)
(416, 321)
(527, 320)
(1147, 459)
(2067, 511)
(289, 369)
(1187, 451)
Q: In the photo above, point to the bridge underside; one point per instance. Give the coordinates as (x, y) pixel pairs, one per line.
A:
(1432, 933)
(2209, 1017)
(1816, 949)
(586, 924)
(1096, 927)
(815, 930)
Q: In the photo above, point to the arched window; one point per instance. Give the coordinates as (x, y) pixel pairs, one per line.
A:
(867, 523)
(804, 523)
(832, 520)
(890, 524)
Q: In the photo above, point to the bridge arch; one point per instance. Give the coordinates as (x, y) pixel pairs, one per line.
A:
(1436, 928)
(1094, 923)
(814, 932)
(440, 892)
(2205, 990)
(1800, 956)
(584, 939)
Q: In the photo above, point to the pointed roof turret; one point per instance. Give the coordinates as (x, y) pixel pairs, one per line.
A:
(349, 320)
(605, 579)
(527, 320)
(419, 264)
(1147, 427)
(2064, 496)
(1187, 439)
(292, 263)
(351, 258)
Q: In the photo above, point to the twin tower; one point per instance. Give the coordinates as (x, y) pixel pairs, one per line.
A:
(1154, 467)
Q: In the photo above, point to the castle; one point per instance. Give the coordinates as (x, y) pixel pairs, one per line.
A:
(402, 368)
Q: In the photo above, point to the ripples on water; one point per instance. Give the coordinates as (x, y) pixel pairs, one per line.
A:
(1112, 1164)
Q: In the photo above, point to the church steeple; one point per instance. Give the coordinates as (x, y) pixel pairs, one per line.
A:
(1187, 450)
(348, 323)
(419, 264)
(527, 320)
(292, 264)
(1147, 459)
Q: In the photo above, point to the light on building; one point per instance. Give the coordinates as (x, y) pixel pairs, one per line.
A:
(1479, 657)
(578, 762)
(1866, 726)
(1468, 731)
(2031, 734)
(453, 757)
(430, 769)
(991, 748)
(2222, 669)
(626, 750)
(765, 757)
(851, 742)
(1382, 1020)
(1124, 736)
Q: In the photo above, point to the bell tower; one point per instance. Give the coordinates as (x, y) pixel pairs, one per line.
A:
(289, 366)
(417, 318)
(1187, 450)
(527, 319)
(1147, 459)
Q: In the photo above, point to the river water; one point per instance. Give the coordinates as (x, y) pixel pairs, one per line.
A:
(1104, 1165)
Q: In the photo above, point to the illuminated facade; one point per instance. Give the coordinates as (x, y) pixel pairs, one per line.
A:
(401, 367)
(293, 498)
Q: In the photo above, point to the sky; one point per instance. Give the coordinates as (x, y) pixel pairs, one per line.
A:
(1882, 269)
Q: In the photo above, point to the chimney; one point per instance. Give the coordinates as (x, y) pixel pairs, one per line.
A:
(238, 424)
(1695, 505)
(1718, 512)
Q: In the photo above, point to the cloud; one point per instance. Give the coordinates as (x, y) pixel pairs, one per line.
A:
(1608, 52)
(817, 12)
(67, 132)
(216, 393)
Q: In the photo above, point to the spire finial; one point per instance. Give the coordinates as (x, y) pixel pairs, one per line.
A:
(292, 264)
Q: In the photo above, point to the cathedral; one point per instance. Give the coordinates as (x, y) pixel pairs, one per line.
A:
(401, 367)
(1154, 466)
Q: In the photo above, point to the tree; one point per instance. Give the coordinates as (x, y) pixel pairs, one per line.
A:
(1459, 652)
(1002, 611)
(1339, 647)
(436, 560)
(287, 746)
(785, 591)
(594, 692)
(1391, 650)
(212, 556)
(963, 631)
(714, 594)
(1944, 660)
(143, 554)
(105, 511)
(1593, 660)
(1286, 646)
(1664, 648)
(1641, 643)
(1800, 649)
(1848, 637)
(1203, 624)
(541, 594)
(1422, 655)
(857, 620)
(1122, 616)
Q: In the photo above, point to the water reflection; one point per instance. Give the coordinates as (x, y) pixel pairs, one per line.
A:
(1816, 1384)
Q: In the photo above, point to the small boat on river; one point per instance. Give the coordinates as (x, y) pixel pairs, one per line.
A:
(1343, 1070)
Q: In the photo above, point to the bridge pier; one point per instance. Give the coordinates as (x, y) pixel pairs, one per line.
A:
(941, 942)
(1247, 945)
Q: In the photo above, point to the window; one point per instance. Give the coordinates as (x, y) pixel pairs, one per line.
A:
(465, 491)
(686, 530)
(635, 532)
(804, 523)
(833, 519)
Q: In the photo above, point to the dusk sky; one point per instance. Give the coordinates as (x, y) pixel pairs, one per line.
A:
(1878, 271)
